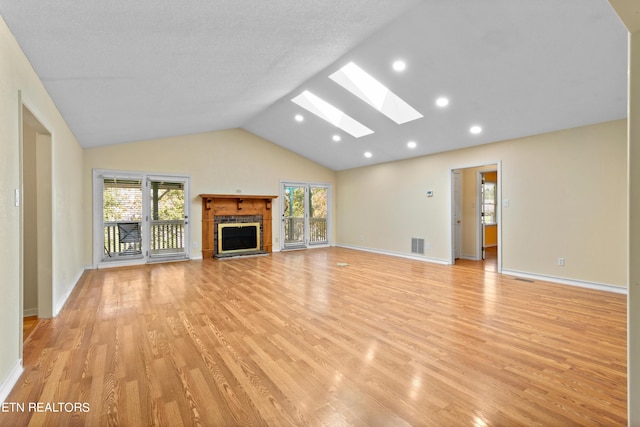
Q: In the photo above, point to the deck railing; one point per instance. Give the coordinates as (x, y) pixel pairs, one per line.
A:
(317, 230)
(294, 230)
(166, 237)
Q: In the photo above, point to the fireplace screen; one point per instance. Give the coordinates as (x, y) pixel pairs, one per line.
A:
(238, 237)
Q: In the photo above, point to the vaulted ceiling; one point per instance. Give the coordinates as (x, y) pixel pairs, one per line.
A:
(123, 71)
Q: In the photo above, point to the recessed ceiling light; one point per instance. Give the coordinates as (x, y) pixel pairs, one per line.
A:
(299, 118)
(475, 130)
(328, 112)
(399, 65)
(412, 144)
(368, 154)
(442, 101)
(337, 138)
(361, 84)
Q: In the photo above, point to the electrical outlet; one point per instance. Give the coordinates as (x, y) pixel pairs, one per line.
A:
(561, 262)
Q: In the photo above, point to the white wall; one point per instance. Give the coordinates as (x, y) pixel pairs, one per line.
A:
(17, 77)
(218, 163)
(567, 195)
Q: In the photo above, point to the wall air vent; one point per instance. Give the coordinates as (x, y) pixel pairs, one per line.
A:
(417, 246)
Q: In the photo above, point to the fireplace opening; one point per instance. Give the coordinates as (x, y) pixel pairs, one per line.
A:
(238, 237)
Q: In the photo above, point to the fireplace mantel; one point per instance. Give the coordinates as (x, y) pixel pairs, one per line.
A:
(234, 205)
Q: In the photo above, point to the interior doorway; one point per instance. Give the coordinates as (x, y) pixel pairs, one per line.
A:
(476, 217)
(488, 214)
(35, 201)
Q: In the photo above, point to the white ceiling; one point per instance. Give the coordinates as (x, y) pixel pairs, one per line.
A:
(122, 70)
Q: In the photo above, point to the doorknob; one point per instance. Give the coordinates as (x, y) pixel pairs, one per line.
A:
(458, 221)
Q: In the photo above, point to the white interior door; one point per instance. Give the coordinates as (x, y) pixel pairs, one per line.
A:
(482, 217)
(457, 214)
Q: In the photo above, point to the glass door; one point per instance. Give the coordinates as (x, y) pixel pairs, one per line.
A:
(122, 218)
(293, 215)
(305, 216)
(140, 217)
(318, 214)
(168, 222)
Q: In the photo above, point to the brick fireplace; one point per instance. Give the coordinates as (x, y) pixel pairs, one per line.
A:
(235, 209)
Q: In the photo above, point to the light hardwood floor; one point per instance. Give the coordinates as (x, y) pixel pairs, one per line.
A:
(294, 339)
(29, 324)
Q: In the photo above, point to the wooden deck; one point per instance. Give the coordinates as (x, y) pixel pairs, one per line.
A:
(297, 339)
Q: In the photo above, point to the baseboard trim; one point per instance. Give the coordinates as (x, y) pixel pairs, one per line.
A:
(571, 282)
(116, 264)
(28, 312)
(62, 301)
(8, 384)
(396, 254)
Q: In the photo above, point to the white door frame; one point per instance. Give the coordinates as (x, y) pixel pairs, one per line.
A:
(456, 214)
(498, 168)
(307, 186)
(479, 199)
(97, 222)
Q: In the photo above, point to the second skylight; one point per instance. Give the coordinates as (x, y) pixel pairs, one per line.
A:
(328, 112)
(364, 86)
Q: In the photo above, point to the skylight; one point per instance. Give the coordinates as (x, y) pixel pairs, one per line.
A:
(328, 112)
(361, 84)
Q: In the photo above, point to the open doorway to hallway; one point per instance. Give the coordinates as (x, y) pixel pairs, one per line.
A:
(36, 222)
(476, 229)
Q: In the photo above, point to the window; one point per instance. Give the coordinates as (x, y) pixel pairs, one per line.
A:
(489, 203)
